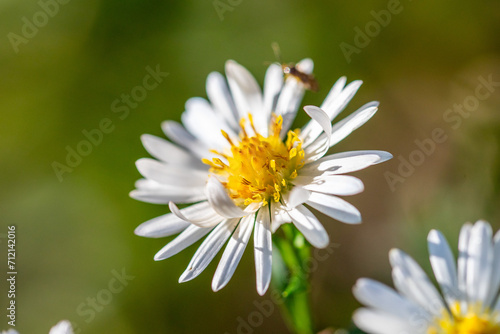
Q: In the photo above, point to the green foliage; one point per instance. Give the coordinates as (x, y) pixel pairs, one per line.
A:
(73, 233)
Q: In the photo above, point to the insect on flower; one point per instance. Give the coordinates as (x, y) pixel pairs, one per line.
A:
(291, 70)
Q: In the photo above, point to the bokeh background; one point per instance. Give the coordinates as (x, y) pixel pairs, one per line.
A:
(61, 78)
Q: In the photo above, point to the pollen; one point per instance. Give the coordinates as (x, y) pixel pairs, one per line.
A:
(259, 169)
(475, 321)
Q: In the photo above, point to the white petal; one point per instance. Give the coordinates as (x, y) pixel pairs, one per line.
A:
(335, 207)
(162, 226)
(479, 262)
(317, 149)
(171, 175)
(180, 136)
(182, 241)
(272, 87)
(343, 185)
(463, 256)
(297, 196)
(497, 306)
(204, 216)
(278, 216)
(252, 207)
(220, 200)
(306, 65)
(320, 117)
(346, 126)
(263, 248)
(245, 91)
(334, 92)
(335, 106)
(221, 99)
(409, 287)
(289, 102)
(345, 162)
(153, 192)
(377, 295)
(309, 226)
(443, 265)
(200, 120)
(408, 275)
(208, 249)
(165, 151)
(495, 278)
(402, 285)
(233, 253)
(335, 102)
(63, 327)
(378, 322)
(291, 95)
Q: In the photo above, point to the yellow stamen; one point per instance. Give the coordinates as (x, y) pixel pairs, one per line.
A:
(224, 133)
(218, 162)
(273, 165)
(250, 118)
(207, 162)
(259, 169)
(475, 321)
(242, 126)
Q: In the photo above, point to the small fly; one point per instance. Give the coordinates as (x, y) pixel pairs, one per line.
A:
(290, 69)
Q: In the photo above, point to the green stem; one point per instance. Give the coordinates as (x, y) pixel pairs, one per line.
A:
(292, 281)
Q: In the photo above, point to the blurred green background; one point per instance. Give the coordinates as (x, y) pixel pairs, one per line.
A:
(60, 79)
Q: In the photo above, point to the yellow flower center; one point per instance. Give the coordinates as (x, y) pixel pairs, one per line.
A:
(259, 169)
(475, 321)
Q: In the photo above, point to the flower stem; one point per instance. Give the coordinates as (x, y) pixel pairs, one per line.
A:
(292, 280)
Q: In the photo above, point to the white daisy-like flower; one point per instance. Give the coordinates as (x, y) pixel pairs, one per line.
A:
(235, 157)
(62, 327)
(469, 299)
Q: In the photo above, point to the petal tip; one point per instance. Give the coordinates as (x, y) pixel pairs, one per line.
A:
(160, 256)
(433, 236)
(184, 277)
(394, 253)
(384, 156)
(216, 286)
(139, 231)
(262, 290)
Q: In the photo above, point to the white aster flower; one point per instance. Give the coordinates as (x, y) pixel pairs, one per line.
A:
(62, 327)
(468, 302)
(236, 158)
